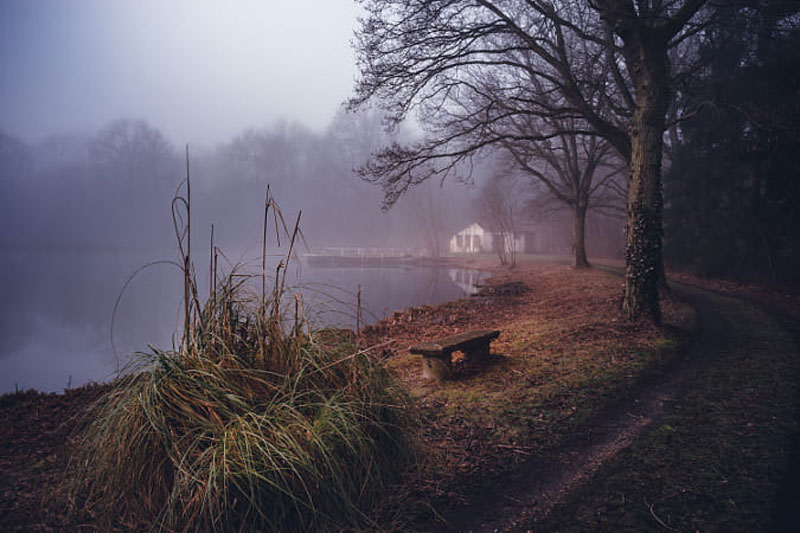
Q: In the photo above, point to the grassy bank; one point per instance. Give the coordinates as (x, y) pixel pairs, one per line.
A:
(563, 357)
(716, 462)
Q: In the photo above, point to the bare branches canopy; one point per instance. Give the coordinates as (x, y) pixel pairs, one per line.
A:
(477, 71)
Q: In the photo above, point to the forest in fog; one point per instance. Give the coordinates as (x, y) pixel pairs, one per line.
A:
(112, 191)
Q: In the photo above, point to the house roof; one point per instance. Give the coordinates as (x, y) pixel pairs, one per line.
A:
(472, 228)
(494, 228)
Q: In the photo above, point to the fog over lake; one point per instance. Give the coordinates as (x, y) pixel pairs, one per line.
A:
(82, 214)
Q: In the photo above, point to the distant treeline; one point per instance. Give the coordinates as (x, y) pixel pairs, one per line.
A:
(113, 189)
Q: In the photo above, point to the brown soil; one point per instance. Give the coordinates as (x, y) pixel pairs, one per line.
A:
(35, 438)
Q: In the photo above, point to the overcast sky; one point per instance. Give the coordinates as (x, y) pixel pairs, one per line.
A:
(200, 70)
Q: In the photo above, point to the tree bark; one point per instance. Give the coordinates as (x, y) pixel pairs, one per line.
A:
(579, 237)
(646, 55)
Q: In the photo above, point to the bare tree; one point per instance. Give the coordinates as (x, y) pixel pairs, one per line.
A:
(577, 171)
(134, 151)
(428, 212)
(603, 64)
(497, 204)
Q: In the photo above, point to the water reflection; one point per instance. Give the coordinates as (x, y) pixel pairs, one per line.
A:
(467, 280)
(55, 315)
(56, 307)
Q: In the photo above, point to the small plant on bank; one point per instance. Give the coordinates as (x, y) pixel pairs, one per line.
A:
(256, 422)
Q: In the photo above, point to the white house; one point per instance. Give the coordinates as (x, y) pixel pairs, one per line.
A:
(470, 240)
(475, 238)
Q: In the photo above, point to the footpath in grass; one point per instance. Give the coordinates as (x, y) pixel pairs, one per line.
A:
(717, 460)
(564, 356)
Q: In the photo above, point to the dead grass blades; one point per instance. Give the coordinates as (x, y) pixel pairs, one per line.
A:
(255, 422)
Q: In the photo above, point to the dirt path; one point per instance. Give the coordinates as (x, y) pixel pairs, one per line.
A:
(531, 491)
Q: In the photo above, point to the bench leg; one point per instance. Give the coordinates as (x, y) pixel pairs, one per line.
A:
(436, 368)
(479, 353)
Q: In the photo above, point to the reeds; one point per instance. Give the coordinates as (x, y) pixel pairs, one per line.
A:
(253, 423)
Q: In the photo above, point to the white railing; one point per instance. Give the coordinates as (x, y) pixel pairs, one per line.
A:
(367, 252)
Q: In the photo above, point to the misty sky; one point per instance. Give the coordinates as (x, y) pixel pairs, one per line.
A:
(199, 70)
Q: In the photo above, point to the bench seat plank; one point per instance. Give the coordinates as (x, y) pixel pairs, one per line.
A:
(461, 341)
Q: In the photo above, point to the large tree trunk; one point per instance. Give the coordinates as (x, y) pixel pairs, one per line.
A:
(649, 67)
(579, 236)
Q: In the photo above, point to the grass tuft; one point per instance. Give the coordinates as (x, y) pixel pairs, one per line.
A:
(254, 423)
(223, 444)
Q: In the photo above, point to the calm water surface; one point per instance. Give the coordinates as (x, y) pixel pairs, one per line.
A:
(56, 308)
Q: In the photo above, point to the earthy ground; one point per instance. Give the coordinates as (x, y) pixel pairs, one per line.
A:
(563, 357)
(723, 455)
(570, 387)
(35, 437)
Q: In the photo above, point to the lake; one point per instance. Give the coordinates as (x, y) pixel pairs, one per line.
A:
(56, 308)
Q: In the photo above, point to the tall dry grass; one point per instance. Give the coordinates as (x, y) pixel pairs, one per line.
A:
(255, 422)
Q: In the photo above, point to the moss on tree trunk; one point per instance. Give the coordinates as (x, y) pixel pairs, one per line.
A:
(647, 60)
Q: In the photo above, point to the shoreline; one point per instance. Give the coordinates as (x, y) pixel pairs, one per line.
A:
(561, 356)
(489, 264)
(53, 365)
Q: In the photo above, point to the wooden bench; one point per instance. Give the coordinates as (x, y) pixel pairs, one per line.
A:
(437, 355)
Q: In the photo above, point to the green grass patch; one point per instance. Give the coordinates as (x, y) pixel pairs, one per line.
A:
(716, 461)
